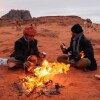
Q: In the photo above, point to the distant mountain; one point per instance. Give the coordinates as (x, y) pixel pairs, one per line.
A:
(60, 20)
(17, 14)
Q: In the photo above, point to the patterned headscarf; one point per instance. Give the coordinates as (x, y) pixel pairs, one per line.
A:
(29, 30)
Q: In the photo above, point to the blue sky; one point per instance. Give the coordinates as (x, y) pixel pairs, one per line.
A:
(83, 8)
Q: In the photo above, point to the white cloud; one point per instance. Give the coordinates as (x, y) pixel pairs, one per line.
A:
(82, 8)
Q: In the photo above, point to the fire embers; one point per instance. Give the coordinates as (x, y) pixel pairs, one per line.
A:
(50, 89)
(47, 89)
(40, 81)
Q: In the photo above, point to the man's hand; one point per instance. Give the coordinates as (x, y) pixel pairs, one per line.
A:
(32, 58)
(63, 47)
(42, 54)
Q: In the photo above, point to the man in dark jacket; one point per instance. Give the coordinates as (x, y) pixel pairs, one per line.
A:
(25, 49)
(79, 43)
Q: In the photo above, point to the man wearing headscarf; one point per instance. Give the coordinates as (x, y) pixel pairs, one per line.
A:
(79, 44)
(25, 49)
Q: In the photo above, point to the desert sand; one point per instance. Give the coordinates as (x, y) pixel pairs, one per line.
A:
(79, 85)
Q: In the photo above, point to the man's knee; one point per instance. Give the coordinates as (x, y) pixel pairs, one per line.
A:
(83, 63)
(62, 59)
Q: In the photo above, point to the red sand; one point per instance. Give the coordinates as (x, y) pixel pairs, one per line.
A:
(79, 85)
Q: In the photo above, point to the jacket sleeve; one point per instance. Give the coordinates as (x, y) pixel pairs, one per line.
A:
(69, 49)
(18, 51)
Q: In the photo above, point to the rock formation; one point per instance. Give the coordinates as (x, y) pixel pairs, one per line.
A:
(17, 14)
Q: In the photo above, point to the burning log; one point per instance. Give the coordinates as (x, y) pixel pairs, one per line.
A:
(40, 82)
(52, 90)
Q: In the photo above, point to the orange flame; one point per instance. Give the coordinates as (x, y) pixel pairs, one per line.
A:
(82, 54)
(43, 74)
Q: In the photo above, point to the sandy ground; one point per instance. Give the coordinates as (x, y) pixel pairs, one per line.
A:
(79, 85)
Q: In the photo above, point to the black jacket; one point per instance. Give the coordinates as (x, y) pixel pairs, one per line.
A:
(86, 46)
(22, 49)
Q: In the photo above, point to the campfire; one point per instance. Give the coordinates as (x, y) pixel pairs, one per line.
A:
(40, 81)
